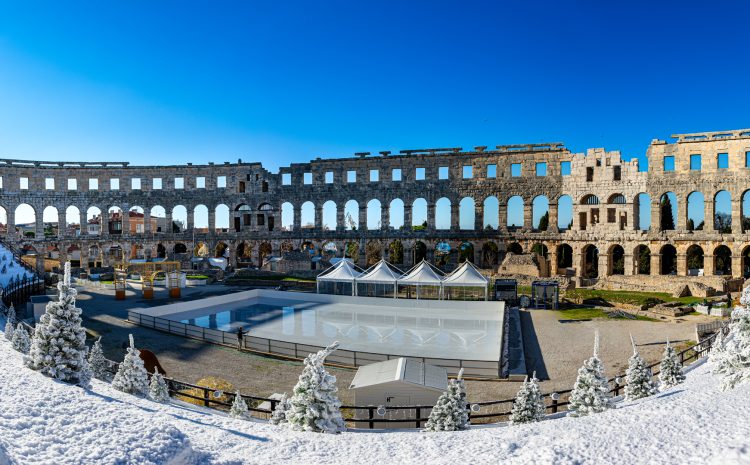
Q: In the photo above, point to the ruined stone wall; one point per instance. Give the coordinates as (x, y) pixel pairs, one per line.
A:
(265, 210)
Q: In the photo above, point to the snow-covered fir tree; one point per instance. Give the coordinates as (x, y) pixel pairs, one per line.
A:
(279, 413)
(733, 362)
(638, 383)
(529, 405)
(58, 348)
(131, 376)
(314, 404)
(157, 389)
(97, 362)
(21, 341)
(591, 391)
(10, 322)
(239, 407)
(450, 412)
(670, 369)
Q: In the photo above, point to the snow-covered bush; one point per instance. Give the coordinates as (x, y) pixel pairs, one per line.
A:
(314, 405)
(733, 361)
(670, 369)
(21, 340)
(638, 383)
(157, 389)
(97, 362)
(239, 407)
(591, 391)
(450, 412)
(529, 405)
(279, 413)
(58, 348)
(131, 375)
(10, 322)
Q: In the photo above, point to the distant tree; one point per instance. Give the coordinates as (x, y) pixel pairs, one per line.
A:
(644, 261)
(239, 407)
(691, 225)
(667, 219)
(670, 368)
(544, 222)
(723, 222)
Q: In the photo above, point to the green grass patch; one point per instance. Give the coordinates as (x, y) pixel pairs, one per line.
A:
(589, 313)
(273, 278)
(197, 276)
(629, 297)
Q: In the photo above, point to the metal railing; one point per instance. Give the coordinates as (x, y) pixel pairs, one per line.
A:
(19, 292)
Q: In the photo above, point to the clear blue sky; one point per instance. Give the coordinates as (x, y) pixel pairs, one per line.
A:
(282, 82)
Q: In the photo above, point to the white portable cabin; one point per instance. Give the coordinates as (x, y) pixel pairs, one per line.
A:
(397, 382)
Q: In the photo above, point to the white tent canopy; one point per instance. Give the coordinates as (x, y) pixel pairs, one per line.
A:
(343, 271)
(381, 273)
(467, 275)
(423, 274)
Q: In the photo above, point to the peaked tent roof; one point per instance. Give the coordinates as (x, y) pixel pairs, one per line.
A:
(343, 271)
(423, 273)
(466, 275)
(381, 273)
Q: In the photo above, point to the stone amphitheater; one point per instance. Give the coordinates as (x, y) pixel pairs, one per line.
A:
(591, 217)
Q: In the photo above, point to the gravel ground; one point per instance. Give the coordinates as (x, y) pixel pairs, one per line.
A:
(554, 349)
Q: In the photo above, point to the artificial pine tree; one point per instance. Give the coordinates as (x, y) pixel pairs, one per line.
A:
(97, 362)
(528, 406)
(450, 412)
(314, 405)
(733, 362)
(638, 382)
(58, 348)
(158, 390)
(591, 391)
(239, 407)
(10, 322)
(279, 413)
(21, 340)
(131, 376)
(670, 369)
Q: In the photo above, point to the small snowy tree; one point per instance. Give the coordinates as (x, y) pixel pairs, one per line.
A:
(239, 407)
(21, 340)
(733, 362)
(638, 383)
(10, 322)
(279, 413)
(97, 362)
(58, 348)
(670, 369)
(315, 405)
(158, 390)
(529, 405)
(450, 412)
(131, 375)
(591, 391)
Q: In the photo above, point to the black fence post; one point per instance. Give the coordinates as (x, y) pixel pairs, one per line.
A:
(206, 400)
(554, 406)
(371, 413)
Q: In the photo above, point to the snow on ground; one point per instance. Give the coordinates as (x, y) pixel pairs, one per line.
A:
(43, 421)
(13, 269)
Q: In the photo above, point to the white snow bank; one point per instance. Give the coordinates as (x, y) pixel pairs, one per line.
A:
(42, 421)
(13, 269)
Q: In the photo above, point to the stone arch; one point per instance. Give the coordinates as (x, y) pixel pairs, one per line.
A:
(351, 215)
(396, 214)
(221, 218)
(351, 250)
(161, 251)
(746, 262)
(668, 211)
(515, 247)
(722, 260)
(3, 221)
(136, 220)
(264, 251)
(442, 254)
(694, 260)
(617, 199)
(25, 220)
(179, 219)
(642, 211)
(642, 260)
(616, 260)
(590, 261)
(723, 212)
(242, 217)
(244, 253)
(159, 220)
(466, 252)
(466, 214)
(745, 215)
(491, 209)
(564, 257)
(515, 212)
(330, 211)
(419, 252)
(490, 253)
(374, 215)
(540, 249)
(287, 216)
(419, 220)
(93, 221)
(564, 213)
(540, 213)
(307, 215)
(396, 252)
(443, 218)
(668, 255)
(73, 224)
(696, 211)
(589, 199)
(201, 250)
(180, 248)
(51, 220)
(330, 250)
(373, 252)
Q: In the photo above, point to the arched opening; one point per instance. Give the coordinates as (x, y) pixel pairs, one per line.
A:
(419, 251)
(200, 250)
(25, 220)
(616, 260)
(287, 216)
(3, 221)
(396, 214)
(723, 212)
(515, 248)
(244, 254)
(491, 214)
(466, 213)
(264, 251)
(746, 262)
(590, 199)
(136, 220)
(73, 226)
(330, 250)
(667, 211)
(466, 252)
(242, 217)
(307, 215)
(179, 219)
(374, 214)
(442, 254)
(564, 258)
(158, 220)
(668, 260)
(540, 213)
(746, 211)
(51, 219)
(489, 255)
(396, 252)
(515, 212)
(696, 208)
(617, 199)
(643, 212)
(590, 261)
(114, 221)
(161, 251)
(373, 252)
(539, 249)
(329, 216)
(180, 248)
(221, 218)
(351, 215)
(93, 221)
(642, 259)
(351, 250)
(564, 213)
(221, 250)
(443, 213)
(419, 215)
(722, 261)
(694, 260)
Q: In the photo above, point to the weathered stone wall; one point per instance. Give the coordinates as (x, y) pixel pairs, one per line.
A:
(603, 239)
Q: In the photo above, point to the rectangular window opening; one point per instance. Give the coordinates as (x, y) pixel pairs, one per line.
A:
(443, 172)
(307, 178)
(722, 161)
(396, 175)
(329, 177)
(468, 172)
(374, 175)
(669, 163)
(93, 184)
(419, 174)
(565, 168)
(286, 179)
(156, 184)
(179, 183)
(541, 169)
(49, 184)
